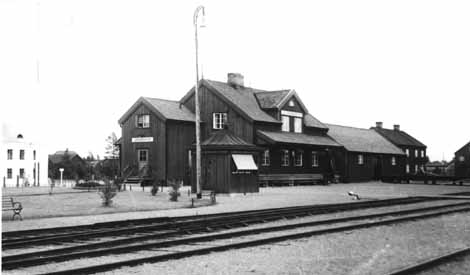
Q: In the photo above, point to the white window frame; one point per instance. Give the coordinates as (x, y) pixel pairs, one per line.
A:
(407, 168)
(219, 120)
(142, 121)
(360, 159)
(422, 153)
(285, 162)
(266, 159)
(394, 161)
(416, 168)
(298, 158)
(416, 153)
(407, 151)
(285, 123)
(139, 155)
(9, 154)
(315, 162)
(462, 158)
(297, 125)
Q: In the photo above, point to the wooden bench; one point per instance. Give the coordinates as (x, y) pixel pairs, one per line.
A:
(290, 178)
(8, 204)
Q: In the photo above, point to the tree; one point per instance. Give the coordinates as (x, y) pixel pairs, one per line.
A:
(111, 150)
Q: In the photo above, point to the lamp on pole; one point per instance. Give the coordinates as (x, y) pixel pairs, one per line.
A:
(198, 120)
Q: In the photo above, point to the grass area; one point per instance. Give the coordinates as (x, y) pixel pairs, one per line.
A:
(70, 202)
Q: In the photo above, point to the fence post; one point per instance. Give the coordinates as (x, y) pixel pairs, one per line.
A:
(17, 181)
(4, 182)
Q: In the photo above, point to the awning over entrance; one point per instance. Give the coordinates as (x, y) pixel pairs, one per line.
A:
(244, 162)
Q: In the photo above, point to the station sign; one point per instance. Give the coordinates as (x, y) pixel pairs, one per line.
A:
(142, 139)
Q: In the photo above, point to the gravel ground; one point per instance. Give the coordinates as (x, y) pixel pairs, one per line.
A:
(460, 266)
(269, 197)
(368, 251)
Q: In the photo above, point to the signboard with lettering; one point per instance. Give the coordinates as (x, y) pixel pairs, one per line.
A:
(142, 139)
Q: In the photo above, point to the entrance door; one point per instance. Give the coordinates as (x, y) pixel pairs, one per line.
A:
(142, 158)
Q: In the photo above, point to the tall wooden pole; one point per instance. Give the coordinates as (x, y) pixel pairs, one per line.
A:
(198, 120)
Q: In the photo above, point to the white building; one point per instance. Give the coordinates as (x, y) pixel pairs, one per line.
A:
(22, 162)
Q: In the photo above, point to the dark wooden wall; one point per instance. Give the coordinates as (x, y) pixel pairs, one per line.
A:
(462, 168)
(157, 130)
(180, 137)
(412, 160)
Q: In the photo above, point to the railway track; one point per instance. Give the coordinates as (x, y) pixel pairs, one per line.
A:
(233, 239)
(430, 263)
(184, 224)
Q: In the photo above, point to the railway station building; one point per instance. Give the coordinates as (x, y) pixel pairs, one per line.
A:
(248, 137)
(462, 161)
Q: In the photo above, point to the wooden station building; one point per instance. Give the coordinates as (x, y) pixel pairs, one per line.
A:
(462, 162)
(249, 136)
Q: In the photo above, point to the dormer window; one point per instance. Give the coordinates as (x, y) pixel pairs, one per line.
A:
(143, 121)
(219, 120)
(285, 124)
(297, 125)
(291, 103)
(293, 119)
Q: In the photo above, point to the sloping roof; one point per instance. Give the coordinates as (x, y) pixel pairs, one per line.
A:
(242, 97)
(58, 156)
(165, 109)
(268, 100)
(398, 137)
(297, 138)
(311, 121)
(362, 140)
(226, 139)
(461, 148)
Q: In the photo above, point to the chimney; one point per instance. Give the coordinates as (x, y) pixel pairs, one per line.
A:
(379, 124)
(396, 127)
(235, 80)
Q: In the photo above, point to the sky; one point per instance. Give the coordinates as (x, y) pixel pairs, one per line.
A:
(70, 69)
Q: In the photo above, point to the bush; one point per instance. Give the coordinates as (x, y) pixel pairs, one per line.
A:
(107, 193)
(154, 189)
(174, 191)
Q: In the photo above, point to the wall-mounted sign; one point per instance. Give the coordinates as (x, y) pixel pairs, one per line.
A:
(142, 139)
(290, 113)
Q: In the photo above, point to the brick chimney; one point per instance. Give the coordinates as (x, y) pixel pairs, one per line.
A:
(235, 80)
(396, 127)
(379, 124)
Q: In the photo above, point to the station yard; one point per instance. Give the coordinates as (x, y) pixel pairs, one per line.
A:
(68, 207)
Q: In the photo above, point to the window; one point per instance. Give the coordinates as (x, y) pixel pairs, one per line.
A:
(219, 120)
(416, 153)
(284, 157)
(416, 168)
(285, 123)
(21, 172)
(143, 121)
(297, 125)
(407, 168)
(10, 154)
(360, 159)
(291, 103)
(143, 155)
(298, 157)
(265, 160)
(422, 153)
(394, 161)
(461, 158)
(34, 154)
(407, 151)
(21, 154)
(9, 173)
(314, 159)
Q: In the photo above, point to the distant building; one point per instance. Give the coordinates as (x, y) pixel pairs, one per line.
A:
(22, 162)
(437, 167)
(414, 149)
(462, 161)
(74, 166)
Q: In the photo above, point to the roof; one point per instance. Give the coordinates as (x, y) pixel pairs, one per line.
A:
(311, 121)
(362, 140)
(461, 148)
(297, 138)
(269, 100)
(58, 156)
(227, 140)
(165, 109)
(398, 137)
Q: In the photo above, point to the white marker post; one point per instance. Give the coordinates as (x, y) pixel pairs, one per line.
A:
(61, 174)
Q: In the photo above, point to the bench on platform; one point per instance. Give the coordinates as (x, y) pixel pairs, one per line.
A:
(8, 204)
(290, 179)
(205, 193)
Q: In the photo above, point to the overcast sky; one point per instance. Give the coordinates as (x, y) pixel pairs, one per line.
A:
(70, 69)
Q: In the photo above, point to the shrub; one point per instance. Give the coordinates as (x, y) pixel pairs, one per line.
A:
(174, 191)
(154, 189)
(107, 193)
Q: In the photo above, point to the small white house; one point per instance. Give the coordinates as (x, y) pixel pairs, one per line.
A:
(22, 163)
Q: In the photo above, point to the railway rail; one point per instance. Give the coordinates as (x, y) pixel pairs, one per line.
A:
(181, 225)
(430, 263)
(118, 247)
